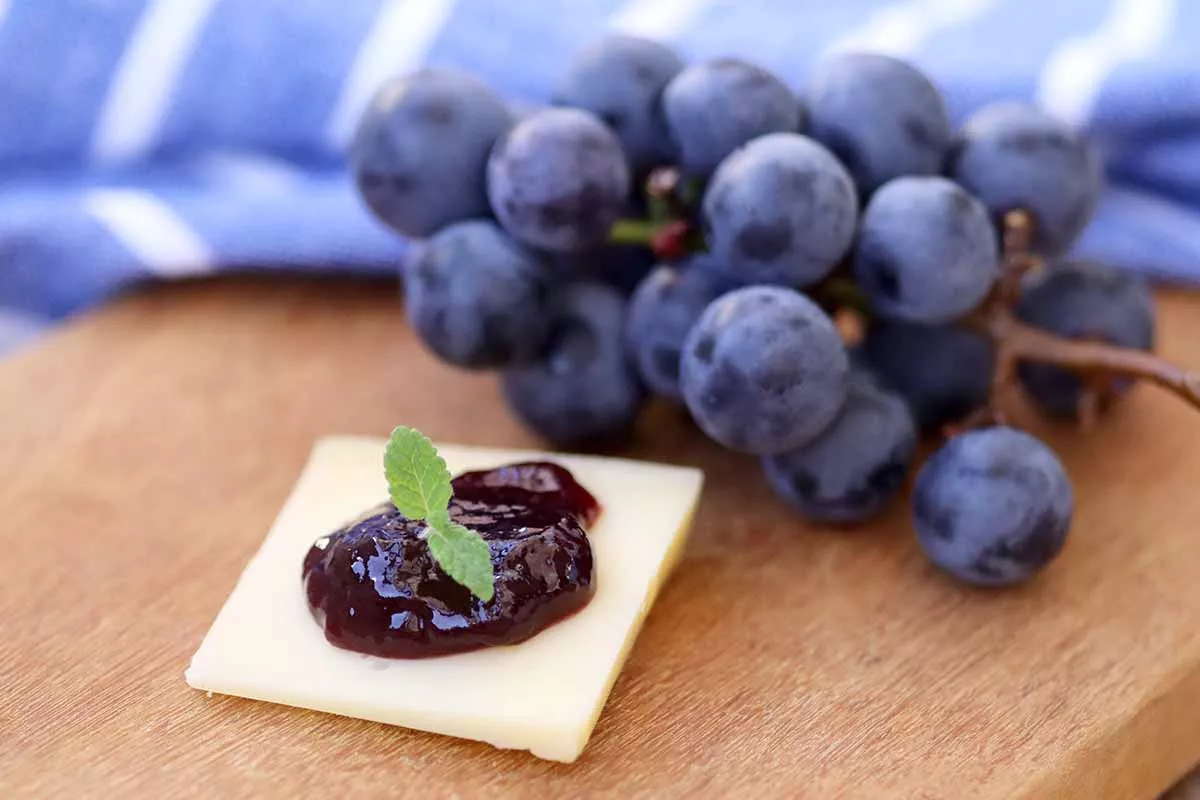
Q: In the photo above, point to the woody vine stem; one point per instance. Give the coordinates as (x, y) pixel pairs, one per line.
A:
(1097, 362)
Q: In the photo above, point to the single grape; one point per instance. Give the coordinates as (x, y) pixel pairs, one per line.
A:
(853, 468)
(1080, 300)
(558, 180)
(421, 147)
(992, 507)
(662, 311)
(477, 298)
(620, 79)
(582, 388)
(926, 250)
(881, 116)
(763, 370)
(942, 372)
(1013, 156)
(714, 107)
(780, 210)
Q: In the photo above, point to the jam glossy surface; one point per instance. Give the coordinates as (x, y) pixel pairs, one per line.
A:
(539, 484)
(374, 588)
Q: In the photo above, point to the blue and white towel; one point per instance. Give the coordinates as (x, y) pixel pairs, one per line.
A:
(146, 139)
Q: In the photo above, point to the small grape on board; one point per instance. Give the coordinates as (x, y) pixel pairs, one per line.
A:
(936, 241)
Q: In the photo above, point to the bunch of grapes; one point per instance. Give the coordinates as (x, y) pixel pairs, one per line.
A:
(694, 231)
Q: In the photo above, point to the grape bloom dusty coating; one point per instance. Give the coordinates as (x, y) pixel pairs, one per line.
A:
(421, 147)
(558, 180)
(853, 468)
(663, 309)
(880, 116)
(780, 210)
(943, 372)
(1013, 156)
(992, 507)
(926, 251)
(477, 298)
(620, 79)
(764, 370)
(582, 387)
(1079, 300)
(714, 107)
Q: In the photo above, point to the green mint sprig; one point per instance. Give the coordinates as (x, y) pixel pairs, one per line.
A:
(419, 485)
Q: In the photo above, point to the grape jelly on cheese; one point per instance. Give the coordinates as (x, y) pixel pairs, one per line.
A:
(375, 589)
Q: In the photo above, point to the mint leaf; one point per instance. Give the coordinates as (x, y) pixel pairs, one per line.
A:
(417, 478)
(463, 555)
(419, 485)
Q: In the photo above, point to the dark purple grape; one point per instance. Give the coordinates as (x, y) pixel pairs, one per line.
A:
(881, 116)
(558, 180)
(926, 251)
(849, 472)
(662, 311)
(421, 149)
(620, 79)
(764, 370)
(780, 210)
(992, 507)
(1013, 156)
(714, 107)
(943, 372)
(477, 298)
(582, 388)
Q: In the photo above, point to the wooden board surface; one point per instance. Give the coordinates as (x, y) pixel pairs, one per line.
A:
(144, 451)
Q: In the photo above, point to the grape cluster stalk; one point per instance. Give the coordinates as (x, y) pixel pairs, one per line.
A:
(1097, 360)
(706, 234)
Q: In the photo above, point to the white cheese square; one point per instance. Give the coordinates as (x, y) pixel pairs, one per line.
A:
(543, 695)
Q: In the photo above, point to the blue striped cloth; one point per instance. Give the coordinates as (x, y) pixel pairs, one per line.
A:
(149, 139)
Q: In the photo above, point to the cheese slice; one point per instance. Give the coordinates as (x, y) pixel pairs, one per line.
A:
(543, 695)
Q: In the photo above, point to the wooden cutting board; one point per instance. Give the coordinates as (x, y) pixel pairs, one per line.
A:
(145, 450)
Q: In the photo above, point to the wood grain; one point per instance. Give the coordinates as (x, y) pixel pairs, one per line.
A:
(145, 450)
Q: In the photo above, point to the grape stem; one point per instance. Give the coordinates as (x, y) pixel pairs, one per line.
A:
(670, 240)
(635, 231)
(1019, 260)
(668, 232)
(1016, 342)
(661, 186)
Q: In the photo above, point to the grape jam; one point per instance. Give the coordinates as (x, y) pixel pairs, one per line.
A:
(374, 588)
